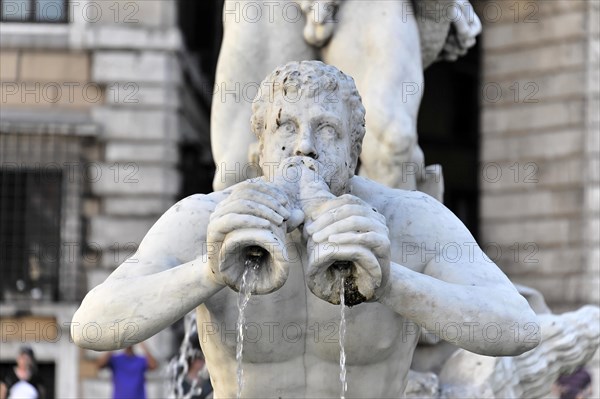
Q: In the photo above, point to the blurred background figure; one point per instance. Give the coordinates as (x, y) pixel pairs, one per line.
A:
(577, 385)
(187, 371)
(196, 382)
(128, 371)
(22, 380)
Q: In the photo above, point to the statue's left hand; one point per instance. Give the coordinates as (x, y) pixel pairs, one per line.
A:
(466, 28)
(357, 230)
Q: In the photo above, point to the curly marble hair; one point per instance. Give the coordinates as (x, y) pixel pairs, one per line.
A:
(311, 78)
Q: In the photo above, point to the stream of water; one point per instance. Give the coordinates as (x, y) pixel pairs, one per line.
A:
(343, 342)
(249, 278)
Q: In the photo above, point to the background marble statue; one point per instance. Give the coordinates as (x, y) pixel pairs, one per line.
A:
(383, 45)
(181, 264)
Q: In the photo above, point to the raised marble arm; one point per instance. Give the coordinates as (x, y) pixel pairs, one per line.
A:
(461, 295)
(489, 318)
(125, 311)
(166, 278)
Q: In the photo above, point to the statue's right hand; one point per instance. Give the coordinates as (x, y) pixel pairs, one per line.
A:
(252, 204)
(250, 226)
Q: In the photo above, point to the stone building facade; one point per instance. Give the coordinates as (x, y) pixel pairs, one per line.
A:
(111, 107)
(540, 147)
(539, 150)
(100, 104)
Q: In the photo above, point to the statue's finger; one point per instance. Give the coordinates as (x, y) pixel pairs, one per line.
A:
(233, 221)
(356, 224)
(370, 240)
(247, 207)
(343, 212)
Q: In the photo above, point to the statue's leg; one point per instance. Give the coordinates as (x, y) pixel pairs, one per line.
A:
(252, 47)
(377, 42)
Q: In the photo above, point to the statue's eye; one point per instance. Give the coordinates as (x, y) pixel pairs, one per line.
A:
(327, 130)
(287, 128)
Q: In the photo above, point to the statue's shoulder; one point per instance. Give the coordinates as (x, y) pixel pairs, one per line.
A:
(389, 199)
(411, 213)
(199, 202)
(181, 230)
(188, 214)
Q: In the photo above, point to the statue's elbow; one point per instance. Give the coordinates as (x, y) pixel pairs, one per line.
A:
(517, 331)
(83, 343)
(526, 333)
(86, 339)
(533, 333)
(90, 334)
(79, 327)
(532, 343)
(77, 334)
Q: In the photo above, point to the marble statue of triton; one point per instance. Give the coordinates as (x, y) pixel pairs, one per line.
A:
(315, 222)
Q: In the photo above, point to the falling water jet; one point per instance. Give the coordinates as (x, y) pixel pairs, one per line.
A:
(249, 278)
(343, 339)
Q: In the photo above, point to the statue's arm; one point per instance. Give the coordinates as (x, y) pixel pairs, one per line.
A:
(461, 295)
(165, 279)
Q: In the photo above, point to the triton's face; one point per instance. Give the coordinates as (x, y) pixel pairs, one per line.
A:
(311, 128)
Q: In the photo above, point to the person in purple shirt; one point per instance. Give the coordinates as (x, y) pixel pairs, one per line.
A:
(128, 371)
(577, 385)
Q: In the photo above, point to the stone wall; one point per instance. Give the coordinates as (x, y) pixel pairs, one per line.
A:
(536, 155)
(47, 79)
(540, 142)
(135, 58)
(138, 179)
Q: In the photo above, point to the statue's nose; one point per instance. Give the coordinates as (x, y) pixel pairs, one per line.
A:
(305, 146)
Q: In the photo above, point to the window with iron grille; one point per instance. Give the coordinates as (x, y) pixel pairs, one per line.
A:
(40, 228)
(30, 230)
(46, 11)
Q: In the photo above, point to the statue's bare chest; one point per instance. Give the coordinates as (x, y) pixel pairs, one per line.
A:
(292, 321)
